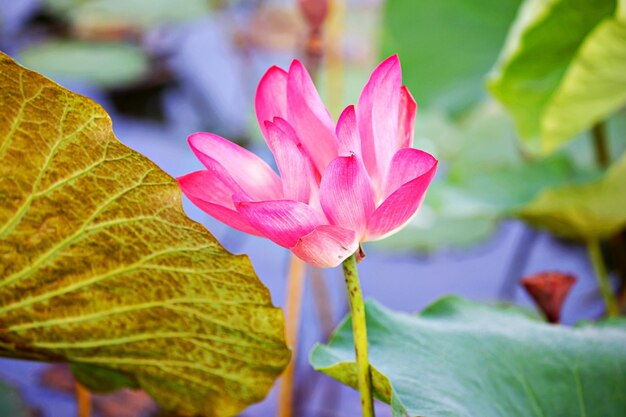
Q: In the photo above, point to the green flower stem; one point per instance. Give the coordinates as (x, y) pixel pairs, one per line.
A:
(359, 330)
(598, 134)
(595, 254)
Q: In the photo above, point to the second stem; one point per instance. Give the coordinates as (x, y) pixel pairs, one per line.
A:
(595, 253)
(359, 330)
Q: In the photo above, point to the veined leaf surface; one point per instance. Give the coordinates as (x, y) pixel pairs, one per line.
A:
(462, 359)
(100, 266)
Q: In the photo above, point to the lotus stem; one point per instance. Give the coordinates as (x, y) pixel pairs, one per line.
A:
(83, 401)
(359, 330)
(293, 308)
(595, 254)
(616, 243)
(598, 133)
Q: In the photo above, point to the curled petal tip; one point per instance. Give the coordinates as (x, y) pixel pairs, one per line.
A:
(271, 96)
(279, 121)
(295, 63)
(391, 61)
(191, 139)
(273, 71)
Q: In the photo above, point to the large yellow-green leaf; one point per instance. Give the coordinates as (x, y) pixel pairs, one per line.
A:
(590, 211)
(543, 44)
(462, 359)
(593, 87)
(99, 265)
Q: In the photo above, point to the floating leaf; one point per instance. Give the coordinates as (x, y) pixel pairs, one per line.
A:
(542, 45)
(99, 265)
(443, 59)
(462, 359)
(591, 211)
(140, 13)
(106, 64)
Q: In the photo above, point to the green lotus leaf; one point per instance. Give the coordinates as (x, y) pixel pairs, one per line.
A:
(463, 359)
(593, 210)
(593, 87)
(545, 59)
(100, 267)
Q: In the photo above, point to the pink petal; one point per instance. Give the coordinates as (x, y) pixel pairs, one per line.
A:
(406, 119)
(346, 193)
(282, 221)
(293, 165)
(271, 97)
(307, 114)
(377, 115)
(254, 176)
(348, 133)
(399, 207)
(313, 175)
(326, 246)
(212, 193)
(407, 164)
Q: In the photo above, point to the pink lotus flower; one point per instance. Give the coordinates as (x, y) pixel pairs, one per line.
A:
(338, 186)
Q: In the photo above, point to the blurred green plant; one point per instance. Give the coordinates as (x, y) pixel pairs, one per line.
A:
(99, 266)
(562, 70)
(463, 359)
(139, 14)
(485, 178)
(594, 210)
(105, 64)
(446, 47)
(102, 44)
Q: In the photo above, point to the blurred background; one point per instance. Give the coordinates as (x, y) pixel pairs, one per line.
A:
(166, 69)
